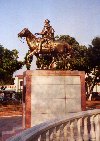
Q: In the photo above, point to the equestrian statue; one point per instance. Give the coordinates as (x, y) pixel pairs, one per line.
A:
(45, 45)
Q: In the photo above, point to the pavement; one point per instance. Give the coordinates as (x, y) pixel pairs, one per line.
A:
(7, 123)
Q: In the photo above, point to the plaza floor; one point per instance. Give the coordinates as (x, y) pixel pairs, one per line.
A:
(8, 123)
(10, 119)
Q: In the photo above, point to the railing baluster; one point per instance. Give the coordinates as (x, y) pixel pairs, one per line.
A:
(54, 134)
(43, 137)
(72, 131)
(58, 133)
(38, 139)
(62, 133)
(79, 126)
(51, 134)
(65, 131)
(86, 134)
(97, 127)
(68, 131)
(75, 129)
(47, 136)
(92, 131)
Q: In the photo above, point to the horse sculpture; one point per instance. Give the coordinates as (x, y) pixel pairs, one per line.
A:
(47, 47)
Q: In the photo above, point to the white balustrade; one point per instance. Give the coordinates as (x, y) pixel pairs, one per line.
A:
(92, 129)
(72, 131)
(54, 134)
(82, 126)
(97, 127)
(79, 126)
(86, 134)
(62, 133)
(65, 131)
(58, 133)
(47, 136)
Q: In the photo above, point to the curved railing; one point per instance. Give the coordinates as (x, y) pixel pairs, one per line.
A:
(81, 126)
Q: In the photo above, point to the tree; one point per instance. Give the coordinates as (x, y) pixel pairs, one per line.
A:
(93, 75)
(78, 59)
(8, 65)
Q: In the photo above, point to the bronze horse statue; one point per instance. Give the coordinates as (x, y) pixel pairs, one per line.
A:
(52, 46)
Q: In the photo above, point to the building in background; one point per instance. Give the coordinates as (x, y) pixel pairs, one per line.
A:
(97, 88)
(17, 87)
(18, 83)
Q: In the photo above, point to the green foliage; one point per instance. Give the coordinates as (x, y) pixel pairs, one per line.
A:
(8, 65)
(70, 40)
(43, 61)
(78, 59)
(93, 75)
(94, 52)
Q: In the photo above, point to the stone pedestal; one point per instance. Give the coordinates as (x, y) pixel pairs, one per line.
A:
(51, 93)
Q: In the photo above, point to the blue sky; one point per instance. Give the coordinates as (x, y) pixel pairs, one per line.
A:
(77, 18)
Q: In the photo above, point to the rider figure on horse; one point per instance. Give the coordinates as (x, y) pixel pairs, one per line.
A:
(47, 34)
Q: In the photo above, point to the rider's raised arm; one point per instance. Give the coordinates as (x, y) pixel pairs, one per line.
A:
(37, 33)
(41, 33)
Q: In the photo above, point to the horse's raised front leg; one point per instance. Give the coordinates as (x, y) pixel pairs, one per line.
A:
(31, 53)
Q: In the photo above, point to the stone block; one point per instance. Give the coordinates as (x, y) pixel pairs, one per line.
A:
(47, 80)
(47, 91)
(73, 105)
(40, 118)
(48, 106)
(72, 80)
(73, 91)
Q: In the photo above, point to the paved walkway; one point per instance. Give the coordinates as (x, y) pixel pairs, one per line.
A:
(8, 123)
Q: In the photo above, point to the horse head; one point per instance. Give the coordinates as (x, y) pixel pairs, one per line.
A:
(30, 39)
(23, 33)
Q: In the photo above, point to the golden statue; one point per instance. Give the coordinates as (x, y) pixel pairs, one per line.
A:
(45, 44)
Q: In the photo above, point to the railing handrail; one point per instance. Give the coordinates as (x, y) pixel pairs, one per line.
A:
(39, 129)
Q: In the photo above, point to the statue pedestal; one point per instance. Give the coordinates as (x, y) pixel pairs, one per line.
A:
(52, 93)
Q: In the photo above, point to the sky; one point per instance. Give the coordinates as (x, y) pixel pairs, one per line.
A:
(78, 18)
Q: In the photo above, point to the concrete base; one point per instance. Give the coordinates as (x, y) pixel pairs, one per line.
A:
(49, 94)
